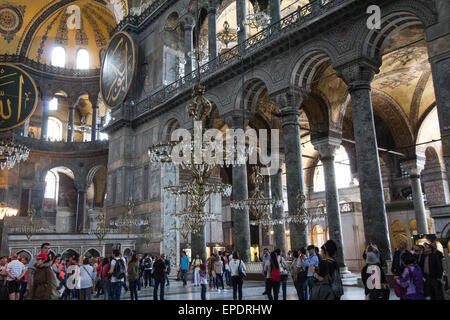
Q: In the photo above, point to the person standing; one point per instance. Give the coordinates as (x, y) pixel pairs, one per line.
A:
(133, 276)
(272, 269)
(203, 280)
(87, 279)
(431, 265)
(411, 279)
(106, 278)
(141, 271)
(265, 259)
(23, 282)
(310, 264)
(226, 266)
(283, 272)
(148, 265)
(218, 272)
(159, 274)
(196, 267)
(237, 270)
(117, 271)
(167, 263)
(373, 278)
(15, 270)
(44, 280)
(45, 247)
(3, 275)
(184, 267)
(211, 276)
(298, 274)
(397, 266)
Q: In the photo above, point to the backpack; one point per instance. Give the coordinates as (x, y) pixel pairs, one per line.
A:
(147, 264)
(119, 269)
(336, 284)
(275, 275)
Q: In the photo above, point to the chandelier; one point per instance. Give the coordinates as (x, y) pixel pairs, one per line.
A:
(147, 232)
(302, 216)
(227, 35)
(258, 19)
(128, 221)
(257, 204)
(11, 153)
(101, 230)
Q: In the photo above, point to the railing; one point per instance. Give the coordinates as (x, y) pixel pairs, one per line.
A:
(297, 18)
(346, 207)
(12, 58)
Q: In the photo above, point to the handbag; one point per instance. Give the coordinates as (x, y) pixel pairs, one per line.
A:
(241, 271)
(399, 290)
(379, 294)
(178, 275)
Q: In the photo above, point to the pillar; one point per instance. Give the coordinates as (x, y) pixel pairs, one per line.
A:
(358, 76)
(94, 121)
(279, 230)
(241, 16)
(198, 245)
(81, 208)
(70, 125)
(212, 30)
(327, 148)
(45, 111)
(188, 26)
(290, 101)
(438, 40)
(414, 167)
(275, 12)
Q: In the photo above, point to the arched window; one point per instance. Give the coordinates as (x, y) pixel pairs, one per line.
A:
(54, 129)
(318, 236)
(53, 104)
(51, 185)
(82, 59)
(59, 57)
(342, 170)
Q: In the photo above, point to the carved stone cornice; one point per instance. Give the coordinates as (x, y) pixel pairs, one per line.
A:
(358, 74)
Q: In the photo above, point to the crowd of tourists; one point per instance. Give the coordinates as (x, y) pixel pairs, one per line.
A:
(314, 272)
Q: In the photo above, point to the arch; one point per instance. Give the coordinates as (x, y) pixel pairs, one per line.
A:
(82, 59)
(51, 185)
(60, 164)
(58, 57)
(248, 94)
(54, 129)
(24, 253)
(92, 252)
(396, 17)
(398, 233)
(68, 253)
(171, 125)
(317, 235)
(429, 130)
(91, 173)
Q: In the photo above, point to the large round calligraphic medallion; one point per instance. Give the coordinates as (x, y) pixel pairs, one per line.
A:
(10, 20)
(18, 96)
(117, 70)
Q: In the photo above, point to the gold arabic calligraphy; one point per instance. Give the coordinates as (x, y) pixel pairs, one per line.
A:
(120, 80)
(8, 79)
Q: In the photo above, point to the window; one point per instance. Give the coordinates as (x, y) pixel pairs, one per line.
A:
(51, 185)
(82, 59)
(54, 129)
(53, 104)
(59, 57)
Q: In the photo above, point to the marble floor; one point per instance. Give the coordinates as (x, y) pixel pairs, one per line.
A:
(252, 290)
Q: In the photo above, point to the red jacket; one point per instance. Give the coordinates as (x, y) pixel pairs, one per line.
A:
(105, 272)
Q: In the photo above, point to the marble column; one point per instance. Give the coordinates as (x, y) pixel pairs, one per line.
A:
(94, 122)
(198, 245)
(188, 26)
(45, 112)
(81, 208)
(414, 167)
(171, 237)
(275, 12)
(241, 16)
(358, 76)
(438, 42)
(279, 231)
(212, 30)
(70, 125)
(290, 101)
(327, 148)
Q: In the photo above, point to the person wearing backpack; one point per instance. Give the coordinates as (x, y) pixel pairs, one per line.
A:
(117, 271)
(148, 265)
(238, 272)
(272, 269)
(328, 270)
(411, 278)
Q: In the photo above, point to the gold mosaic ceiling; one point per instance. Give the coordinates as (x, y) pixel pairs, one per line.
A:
(34, 27)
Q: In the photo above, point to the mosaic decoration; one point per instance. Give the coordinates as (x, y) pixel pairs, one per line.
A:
(397, 80)
(11, 20)
(117, 70)
(45, 37)
(100, 39)
(408, 54)
(18, 96)
(80, 36)
(62, 36)
(99, 16)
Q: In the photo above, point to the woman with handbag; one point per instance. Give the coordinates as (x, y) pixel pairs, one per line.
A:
(86, 280)
(272, 269)
(298, 274)
(374, 279)
(238, 272)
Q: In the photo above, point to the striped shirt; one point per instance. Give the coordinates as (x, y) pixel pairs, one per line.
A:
(15, 268)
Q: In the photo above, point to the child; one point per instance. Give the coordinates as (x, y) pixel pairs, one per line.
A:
(203, 280)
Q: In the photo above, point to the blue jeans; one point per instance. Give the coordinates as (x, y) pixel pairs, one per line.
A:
(307, 286)
(228, 277)
(184, 276)
(203, 292)
(115, 289)
(158, 282)
(219, 281)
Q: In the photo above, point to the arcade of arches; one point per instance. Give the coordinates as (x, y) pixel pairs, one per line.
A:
(363, 116)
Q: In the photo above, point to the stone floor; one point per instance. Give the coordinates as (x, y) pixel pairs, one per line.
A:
(252, 290)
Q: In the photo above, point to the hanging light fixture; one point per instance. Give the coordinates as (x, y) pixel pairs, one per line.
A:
(227, 35)
(11, 153)
(128, 221)
(6, 211)
(258, 19)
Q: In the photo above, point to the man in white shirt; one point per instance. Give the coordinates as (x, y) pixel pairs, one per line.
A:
(15, 270)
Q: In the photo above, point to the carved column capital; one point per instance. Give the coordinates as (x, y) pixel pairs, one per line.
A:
(357, 74)
(414, 166)
(188, 22)
(289, 98)
(236, 119)
(327, 146)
